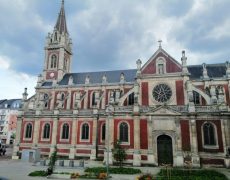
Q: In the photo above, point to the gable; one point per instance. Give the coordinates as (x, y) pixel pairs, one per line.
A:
(171, 65)
(164, 110)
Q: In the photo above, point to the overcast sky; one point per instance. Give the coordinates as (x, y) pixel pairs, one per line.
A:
(109, 35)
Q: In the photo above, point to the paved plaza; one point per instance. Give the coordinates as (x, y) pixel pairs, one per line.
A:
(19, 170)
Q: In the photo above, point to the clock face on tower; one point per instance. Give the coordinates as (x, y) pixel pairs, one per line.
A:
(51, 75)
(162, 93)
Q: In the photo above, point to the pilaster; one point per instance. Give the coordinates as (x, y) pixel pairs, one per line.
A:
(94, 138)
(108, 158)
(151, 151)
(194, 144)
(54, 135)
(178, 155)
(17, 139)
(73, 139)
(36, 132)
(136, 153)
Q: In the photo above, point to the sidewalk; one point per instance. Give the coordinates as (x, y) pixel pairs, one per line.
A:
(19, 170)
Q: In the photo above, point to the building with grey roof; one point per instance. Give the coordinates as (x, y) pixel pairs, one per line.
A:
(8, 119)
(163, 112)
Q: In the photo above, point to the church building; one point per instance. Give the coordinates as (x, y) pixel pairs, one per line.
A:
(163, 112)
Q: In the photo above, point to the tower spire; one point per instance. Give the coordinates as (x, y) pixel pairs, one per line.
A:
(61, 21)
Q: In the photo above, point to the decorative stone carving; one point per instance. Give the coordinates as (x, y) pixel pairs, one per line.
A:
(43, 101)
(70, 80)
(77, 100)
(227, 69)
(104, 79)
(117, 95)
(136, 93)
(138, 67)
(213, 95)
(122, 78)
(111, 98)
(24, 95)
(184, 62)
(61, 97)
(87, 79)
(220, 94)
(205, 72)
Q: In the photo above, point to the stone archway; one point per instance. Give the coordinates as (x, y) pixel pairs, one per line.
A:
(164, 150)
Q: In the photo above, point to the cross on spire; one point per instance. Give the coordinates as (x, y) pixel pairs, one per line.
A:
(159, 41)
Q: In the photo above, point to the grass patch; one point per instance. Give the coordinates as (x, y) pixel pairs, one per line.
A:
(38, 173)
(113, 170)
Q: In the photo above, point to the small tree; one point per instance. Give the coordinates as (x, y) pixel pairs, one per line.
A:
(53, 159)
(119, 153)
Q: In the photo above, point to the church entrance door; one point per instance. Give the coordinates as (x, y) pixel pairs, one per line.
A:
(164, 150)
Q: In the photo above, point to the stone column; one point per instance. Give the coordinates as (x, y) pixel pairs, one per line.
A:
(73, 139)
(108, 158)
(86, 99)
(36, 132)
(94, 138)
(136, 152)
(17, 139)
(194, 144)
(151, 151)
(54, 135)
(68, 101)
(178, 156)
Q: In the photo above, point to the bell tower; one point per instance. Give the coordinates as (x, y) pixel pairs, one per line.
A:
(58, 50)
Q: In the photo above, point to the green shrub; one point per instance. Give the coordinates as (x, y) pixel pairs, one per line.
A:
(113, 170)
(180, 174)
(38, 173)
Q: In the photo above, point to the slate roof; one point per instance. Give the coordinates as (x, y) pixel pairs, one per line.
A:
(10, 103)
(214, 70)
(96, 77)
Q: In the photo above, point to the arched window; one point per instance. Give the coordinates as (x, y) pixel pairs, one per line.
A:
(131, 99)
(46, 100)
(85, 131)
(209, 134)
(103, 132)
(65, 131)
(94, 103)
(28, 131)
(124, 132)
(53, 63)
(46, 131)
(62, 96)
(196, 98)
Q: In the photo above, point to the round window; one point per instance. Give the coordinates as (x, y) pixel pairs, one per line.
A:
(162, 93)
